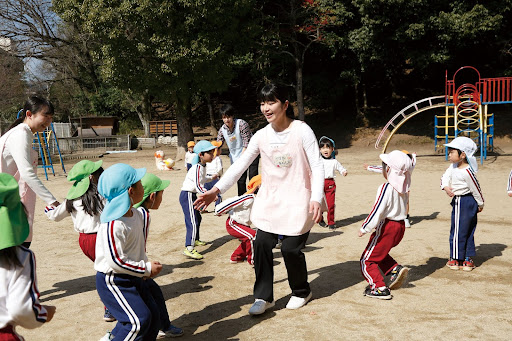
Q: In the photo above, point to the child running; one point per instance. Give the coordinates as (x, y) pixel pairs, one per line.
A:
(19, 297)
(331, 165)
(84, 204)
(239, 221)
(387, 219)
(193, 184)
(121, 261)
(189, 155)
(153, 193)
(460, 183)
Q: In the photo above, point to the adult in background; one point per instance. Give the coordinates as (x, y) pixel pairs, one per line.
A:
(236, 133)
(20, 160)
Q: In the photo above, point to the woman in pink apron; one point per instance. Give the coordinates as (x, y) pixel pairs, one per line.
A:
(289, 200)
(20, 160)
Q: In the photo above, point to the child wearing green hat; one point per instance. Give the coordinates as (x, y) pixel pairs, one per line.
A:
(84, 204)
(19, 296)
(195, 183)
(121, 261)
(153, 193)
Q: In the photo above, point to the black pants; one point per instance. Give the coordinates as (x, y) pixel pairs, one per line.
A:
(294, 259)
(253, 171)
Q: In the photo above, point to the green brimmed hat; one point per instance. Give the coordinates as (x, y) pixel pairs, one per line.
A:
(80, 175)
(14, 228)
(151, 184)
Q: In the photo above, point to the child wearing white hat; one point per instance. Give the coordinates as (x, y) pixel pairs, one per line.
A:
(387, 219)
(460, 183)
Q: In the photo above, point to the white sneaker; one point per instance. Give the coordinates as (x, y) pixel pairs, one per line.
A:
(107, 337)
(297, 302)
(407, 222)
(259, 306)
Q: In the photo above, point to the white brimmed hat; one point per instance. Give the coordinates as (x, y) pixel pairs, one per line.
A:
(466, 145)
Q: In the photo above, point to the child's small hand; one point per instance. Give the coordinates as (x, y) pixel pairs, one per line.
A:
(50, 309)
(365, 166)
(55, 204)
(480, 209)
(360, 234)
(156, 267)
(344, 173)
(448, 191)
(509, 194)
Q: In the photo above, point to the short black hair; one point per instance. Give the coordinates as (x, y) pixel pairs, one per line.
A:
(227, 110)
(326, 141)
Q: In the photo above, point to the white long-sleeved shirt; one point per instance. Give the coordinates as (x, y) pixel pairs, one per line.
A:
(121, 245)
(330, 168)
(309, 144)
(195, 179)
(214, 168)
(189, 156)
(238, 208)
(82, 222)
(16, 157)
(389, 204)
(462, 181)
(19, 296)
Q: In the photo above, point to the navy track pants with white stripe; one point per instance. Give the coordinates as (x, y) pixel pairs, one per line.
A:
(127, 298)
(462, 231)
(192, 217)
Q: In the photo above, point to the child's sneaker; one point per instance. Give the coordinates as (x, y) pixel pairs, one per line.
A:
(383, 294)
(172, 331)
(279, 244)
(108, 317)
(407, 221)
(192, 254)
(332, 227)
(453, 264)
(199, 243)
(322, 223)
(398, 277)
(468, 265)
(236, 260)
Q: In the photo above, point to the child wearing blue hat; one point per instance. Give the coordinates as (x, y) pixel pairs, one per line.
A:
(19, 297)
(193, 184)
(121, 261)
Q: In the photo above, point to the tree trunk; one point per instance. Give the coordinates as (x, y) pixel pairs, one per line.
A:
(145, 112)
(213, 128)
(298, 90)
(185, 132)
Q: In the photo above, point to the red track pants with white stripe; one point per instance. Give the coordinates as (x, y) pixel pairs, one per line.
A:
(330, 197)
(246, 236)
(376, 255)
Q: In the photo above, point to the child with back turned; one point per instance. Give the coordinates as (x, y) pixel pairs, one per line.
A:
(19, 297)
(153, 194)
(460, 183)
(387, 219)
(239, 221)
(195, 183)
(331, 165)
(121, 261)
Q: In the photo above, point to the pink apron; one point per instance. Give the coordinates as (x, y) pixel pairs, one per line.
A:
(28, 196)
(282, 203)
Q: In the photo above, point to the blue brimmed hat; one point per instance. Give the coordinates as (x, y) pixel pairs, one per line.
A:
(113, 186)
(201, 147)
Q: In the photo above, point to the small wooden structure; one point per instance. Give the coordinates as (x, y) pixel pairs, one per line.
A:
(90, 126)
(163, 128)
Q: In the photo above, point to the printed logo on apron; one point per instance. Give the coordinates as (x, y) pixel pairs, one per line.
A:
(282, 160)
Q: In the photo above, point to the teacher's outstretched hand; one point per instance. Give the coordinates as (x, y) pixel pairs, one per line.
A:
(205, 199)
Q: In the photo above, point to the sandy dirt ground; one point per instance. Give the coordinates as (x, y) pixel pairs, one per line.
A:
(210, 298)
